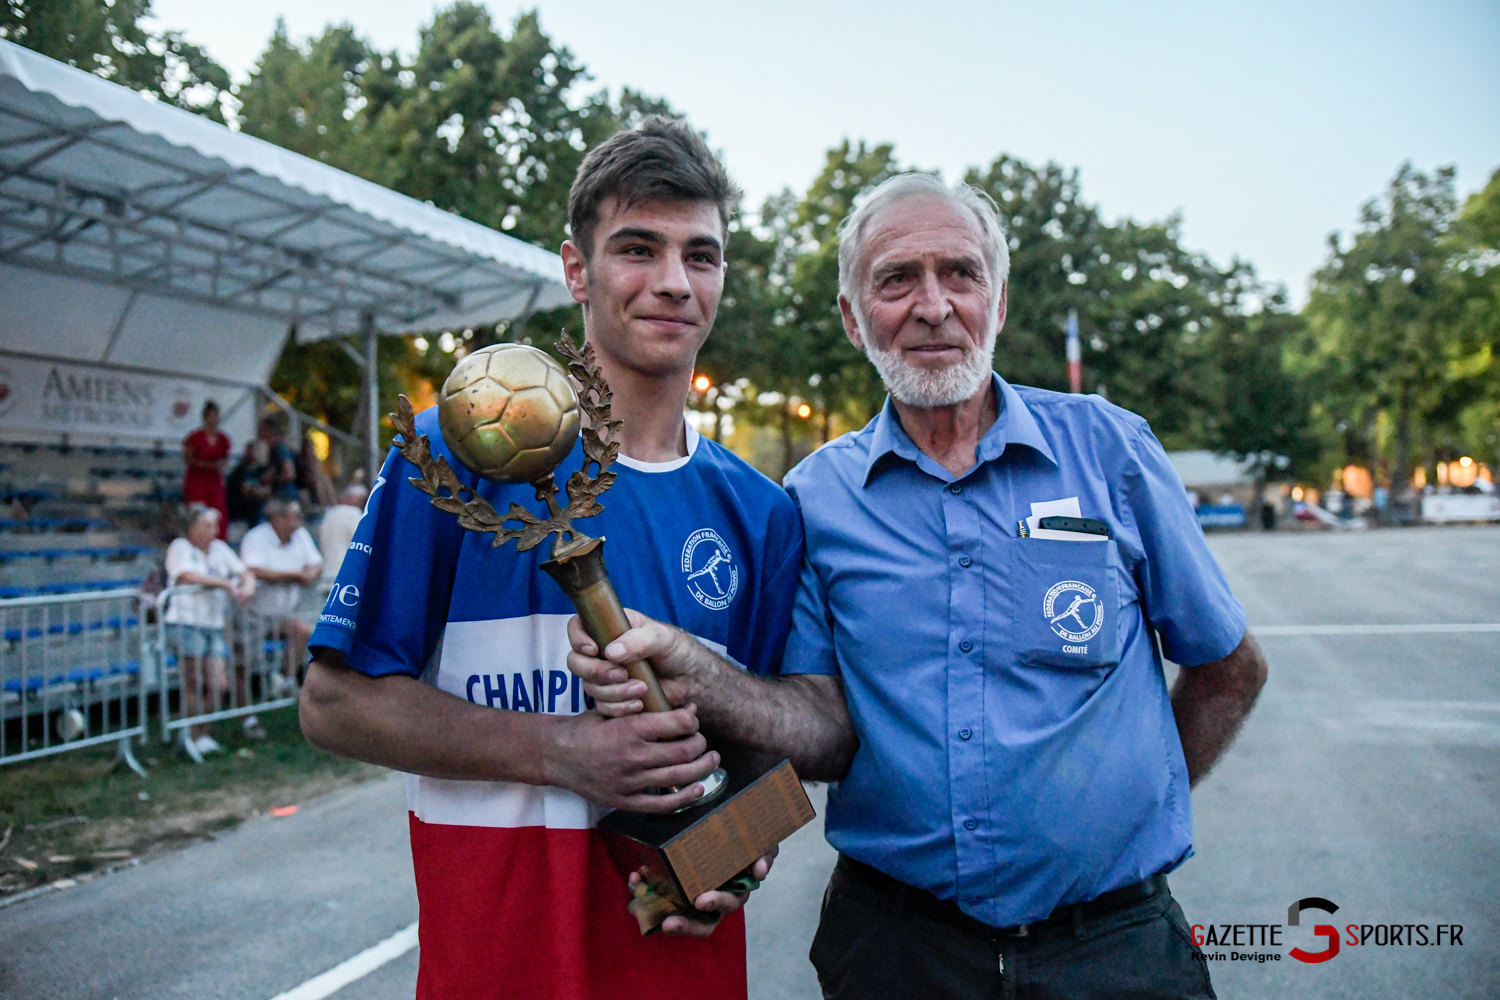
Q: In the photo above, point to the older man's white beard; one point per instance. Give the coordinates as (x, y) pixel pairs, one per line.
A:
(928, 388)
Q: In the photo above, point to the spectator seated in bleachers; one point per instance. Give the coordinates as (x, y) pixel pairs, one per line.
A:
(281, 471)
(281, 554)
(337, 529)
(246, 489)
(195, 621)
(313, 483)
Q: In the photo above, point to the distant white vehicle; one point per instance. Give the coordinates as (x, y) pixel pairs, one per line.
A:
(1461, 507)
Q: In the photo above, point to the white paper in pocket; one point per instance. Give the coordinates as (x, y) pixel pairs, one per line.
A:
(1059, 508)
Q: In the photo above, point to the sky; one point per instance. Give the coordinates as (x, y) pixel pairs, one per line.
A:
(1264, 125)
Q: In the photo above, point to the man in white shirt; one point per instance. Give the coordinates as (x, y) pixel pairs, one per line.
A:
(281, 554)
(337, 529)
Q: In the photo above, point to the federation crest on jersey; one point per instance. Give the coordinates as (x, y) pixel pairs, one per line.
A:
(1073, 611)
(713, 577)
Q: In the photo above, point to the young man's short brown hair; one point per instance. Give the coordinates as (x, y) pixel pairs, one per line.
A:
(661, 159)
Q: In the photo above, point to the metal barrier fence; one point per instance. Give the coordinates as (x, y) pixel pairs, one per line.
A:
(72, 674)
(244, 668)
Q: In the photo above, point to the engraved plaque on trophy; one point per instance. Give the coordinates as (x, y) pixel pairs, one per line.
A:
(509, 414)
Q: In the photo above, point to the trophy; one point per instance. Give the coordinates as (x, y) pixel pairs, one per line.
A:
(509, 414)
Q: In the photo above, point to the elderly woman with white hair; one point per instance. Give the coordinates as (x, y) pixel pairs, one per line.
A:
(195, 619)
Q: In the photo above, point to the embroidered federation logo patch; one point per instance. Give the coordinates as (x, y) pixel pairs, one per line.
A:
(712, 576)
(1073, 610)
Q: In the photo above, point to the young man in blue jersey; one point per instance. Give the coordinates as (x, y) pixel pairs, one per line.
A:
(443, 657)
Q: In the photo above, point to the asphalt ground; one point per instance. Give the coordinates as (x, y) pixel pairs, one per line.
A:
(1367, 776)
(252, 914)
(1369, 773)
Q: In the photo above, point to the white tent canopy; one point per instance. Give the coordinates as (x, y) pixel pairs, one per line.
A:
(1204, 468)
(137, 235)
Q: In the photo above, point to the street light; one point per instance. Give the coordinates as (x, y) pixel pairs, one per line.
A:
(804, 411)
(702, 383)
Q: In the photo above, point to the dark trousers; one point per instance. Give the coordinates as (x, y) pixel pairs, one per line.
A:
(881, 943)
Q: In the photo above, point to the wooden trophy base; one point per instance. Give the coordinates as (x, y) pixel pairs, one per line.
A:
(689, 853)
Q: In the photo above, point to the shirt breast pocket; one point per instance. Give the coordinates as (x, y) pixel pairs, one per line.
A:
(1066, 603)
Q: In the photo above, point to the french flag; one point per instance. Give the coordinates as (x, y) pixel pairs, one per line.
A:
(1075, 354)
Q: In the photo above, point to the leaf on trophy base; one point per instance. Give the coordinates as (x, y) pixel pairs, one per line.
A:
(519, 513)
(485, 518)
(534, 534)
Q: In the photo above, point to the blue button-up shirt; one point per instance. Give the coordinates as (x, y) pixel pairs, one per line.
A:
(1017, 744)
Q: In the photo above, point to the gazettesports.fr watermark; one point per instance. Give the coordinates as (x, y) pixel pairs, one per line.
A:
(1229, 939)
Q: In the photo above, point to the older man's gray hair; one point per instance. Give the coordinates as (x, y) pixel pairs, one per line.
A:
(903, 186)
(195, 512)
(276, 507)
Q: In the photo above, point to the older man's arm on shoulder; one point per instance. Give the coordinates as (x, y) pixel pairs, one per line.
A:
(1210, 702)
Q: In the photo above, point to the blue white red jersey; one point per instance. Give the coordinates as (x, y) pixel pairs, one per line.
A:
(518, 896)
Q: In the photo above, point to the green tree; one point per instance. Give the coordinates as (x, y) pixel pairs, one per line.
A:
(838, 377)
(1377, 318)
(1146, 306)
(311, 99)
(1474, 339)
(747, 311)
(1165, 332)
(486, 125)
(106, 38)
(483, 125)
(784, 314)
(1263, 411)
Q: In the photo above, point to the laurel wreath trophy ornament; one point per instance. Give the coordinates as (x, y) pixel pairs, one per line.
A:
(509, 414)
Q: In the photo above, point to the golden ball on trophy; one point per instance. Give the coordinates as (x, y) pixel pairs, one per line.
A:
(509, 413)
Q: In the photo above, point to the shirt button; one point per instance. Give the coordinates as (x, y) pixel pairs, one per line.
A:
(965, 646)
(964, 734)
(965, 561)
(970, 824)
(955, 489)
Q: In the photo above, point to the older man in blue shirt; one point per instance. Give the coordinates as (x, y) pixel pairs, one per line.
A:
(1013, 774)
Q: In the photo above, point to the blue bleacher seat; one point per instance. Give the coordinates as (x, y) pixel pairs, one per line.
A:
(71, 628)
(38, 525)
(47, 548)
(82, 676)
(80, 587)
(111, 552)
(28, 496)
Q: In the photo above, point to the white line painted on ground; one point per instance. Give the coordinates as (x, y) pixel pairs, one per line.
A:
(1372, 629)
(358, 967)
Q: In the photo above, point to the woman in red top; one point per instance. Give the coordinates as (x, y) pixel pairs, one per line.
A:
(205, 453)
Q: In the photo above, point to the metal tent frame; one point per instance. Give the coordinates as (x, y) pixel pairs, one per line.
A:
(136, 234)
